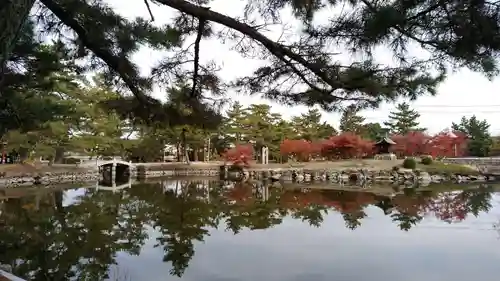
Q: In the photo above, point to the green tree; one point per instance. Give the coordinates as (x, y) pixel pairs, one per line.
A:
(403, 120)
(480, 139)
(308, 126)
(232, 125)
(33, 84)
(372, 131)
(350, 121)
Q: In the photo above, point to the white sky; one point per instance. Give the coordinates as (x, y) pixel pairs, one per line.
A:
(463, 93)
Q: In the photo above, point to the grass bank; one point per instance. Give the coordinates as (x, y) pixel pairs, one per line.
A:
(444, 168)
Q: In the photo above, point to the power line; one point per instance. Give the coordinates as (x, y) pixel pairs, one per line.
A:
(460, 112)
(458, 106)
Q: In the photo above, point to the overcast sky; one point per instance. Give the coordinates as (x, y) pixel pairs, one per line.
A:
(464, 93)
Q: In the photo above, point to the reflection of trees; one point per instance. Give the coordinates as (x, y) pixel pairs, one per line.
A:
(81, 240)
(78, 241)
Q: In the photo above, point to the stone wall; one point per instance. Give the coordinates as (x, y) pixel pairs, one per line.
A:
(477, 161)
(93, 176)
(359, 176)
(401, 176)
(143, 172)
(50, 178)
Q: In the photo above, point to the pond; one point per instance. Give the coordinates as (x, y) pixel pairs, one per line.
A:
(203, 230)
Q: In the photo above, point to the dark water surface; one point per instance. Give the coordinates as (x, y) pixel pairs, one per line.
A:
(241, 232)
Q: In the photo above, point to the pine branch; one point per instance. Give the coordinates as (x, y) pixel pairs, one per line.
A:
(201, 25)
(119, 65)
(278, 50)
(149, 10)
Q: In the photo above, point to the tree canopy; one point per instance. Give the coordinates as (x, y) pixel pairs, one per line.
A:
(303, 69)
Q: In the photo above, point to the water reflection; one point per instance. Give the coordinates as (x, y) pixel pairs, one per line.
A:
(78, 234)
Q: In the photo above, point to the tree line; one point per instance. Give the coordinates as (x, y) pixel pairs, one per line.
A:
(50, 106)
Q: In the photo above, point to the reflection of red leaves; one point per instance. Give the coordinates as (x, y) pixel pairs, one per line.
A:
(242, 194)
(412, 205)
(449, 207)
(240, 155)
(353, 202)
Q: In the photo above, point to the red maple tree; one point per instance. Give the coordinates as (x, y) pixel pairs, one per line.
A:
(240, 155)
(449, 145)
(418, 143)
(411, 144)
(299, 149)
(346, 145)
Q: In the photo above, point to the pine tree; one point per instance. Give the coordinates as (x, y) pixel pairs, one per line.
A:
(308, 126)
(234, 124)
(480, 140)
(31, 81)
(351, 121)
(313, 74)
(403, 120)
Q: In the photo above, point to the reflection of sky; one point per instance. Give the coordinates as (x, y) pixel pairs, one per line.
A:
(71, 196)
(376, 251)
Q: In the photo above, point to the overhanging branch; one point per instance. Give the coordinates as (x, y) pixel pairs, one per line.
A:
(278, 50)
(116, 63)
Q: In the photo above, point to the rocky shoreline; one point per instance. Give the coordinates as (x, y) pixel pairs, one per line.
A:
(360, 176)
(291, 174)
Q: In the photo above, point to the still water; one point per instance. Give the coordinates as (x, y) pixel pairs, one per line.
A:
(178, 230)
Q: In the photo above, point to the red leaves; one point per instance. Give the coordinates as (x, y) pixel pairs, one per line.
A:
(413, 143)
(300, 149)
(448, 144)
(343, 146)
(346, 145)
(442, 144)
(240, 155)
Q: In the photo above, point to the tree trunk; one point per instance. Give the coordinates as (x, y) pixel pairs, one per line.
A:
(196, 156)
(23, 154)
(184, 146)
(178, 148)
(59, 155)
(13, 14)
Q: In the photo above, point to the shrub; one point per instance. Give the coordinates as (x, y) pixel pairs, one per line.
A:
(426, 160)
(71, 161)
(240, 155)
(409, 163)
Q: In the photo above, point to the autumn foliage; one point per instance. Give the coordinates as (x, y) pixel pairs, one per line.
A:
(301, 150)
(349, 145)
(240, 155)
(343, 146)
(346, 146)
(440, 145)
(449, 207)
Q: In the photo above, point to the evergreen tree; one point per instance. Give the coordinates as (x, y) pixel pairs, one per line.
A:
(260, 124)
(372, 131)
(308, 126)
(32, 83)
(305, 60)
(233, 125)
(403, 120)
(480, 139)
(350, 121)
